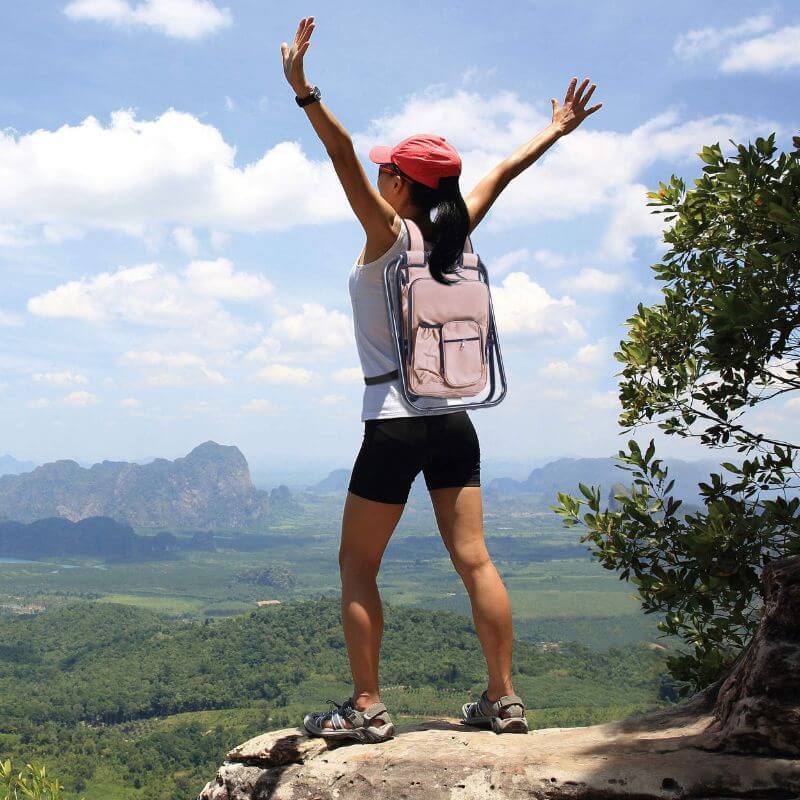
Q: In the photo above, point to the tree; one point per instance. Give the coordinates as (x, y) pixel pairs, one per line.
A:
(32, 783)
(724, 339)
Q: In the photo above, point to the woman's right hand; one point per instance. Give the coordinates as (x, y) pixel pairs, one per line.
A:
(567, 117)
(293, 56)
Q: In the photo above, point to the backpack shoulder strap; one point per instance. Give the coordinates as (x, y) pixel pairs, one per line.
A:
(416, 249)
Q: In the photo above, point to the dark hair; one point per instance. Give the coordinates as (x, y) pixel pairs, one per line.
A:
(450, 225)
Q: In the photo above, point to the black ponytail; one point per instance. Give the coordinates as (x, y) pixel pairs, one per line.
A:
(450, 225)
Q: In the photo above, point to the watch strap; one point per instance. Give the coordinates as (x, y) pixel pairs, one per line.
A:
(309, 98)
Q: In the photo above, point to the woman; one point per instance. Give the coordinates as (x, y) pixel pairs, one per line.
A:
(415, 177)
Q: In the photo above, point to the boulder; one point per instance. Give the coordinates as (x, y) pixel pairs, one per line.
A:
(651, 757)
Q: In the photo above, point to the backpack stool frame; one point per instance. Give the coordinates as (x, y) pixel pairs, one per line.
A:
(395, 275)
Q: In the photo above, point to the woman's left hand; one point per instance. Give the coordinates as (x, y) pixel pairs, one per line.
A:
(293, 56)
(567, 117)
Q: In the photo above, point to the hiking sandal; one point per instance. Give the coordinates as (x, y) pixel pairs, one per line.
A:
(505, 715)
(361, 731)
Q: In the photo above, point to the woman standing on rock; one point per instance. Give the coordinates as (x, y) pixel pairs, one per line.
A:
(415, 177)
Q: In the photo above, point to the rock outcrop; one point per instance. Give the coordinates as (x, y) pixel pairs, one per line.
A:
(210, 487)
(738, 739)
(443, 760)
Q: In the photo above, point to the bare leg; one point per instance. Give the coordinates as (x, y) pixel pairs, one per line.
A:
(459, 514)
(367, 526)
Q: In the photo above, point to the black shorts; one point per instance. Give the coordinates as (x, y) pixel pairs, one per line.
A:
(394, 450)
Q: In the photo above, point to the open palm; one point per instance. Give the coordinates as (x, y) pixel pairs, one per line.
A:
(293, 56)
(568, 116)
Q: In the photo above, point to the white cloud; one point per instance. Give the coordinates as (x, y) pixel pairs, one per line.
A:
(136, 175)
(9, 320)
(260, 405)
(331, 400)
(703, 41)
(630, 219)
(348, 375)
(150, 296)
(129, 402)
(590, 279)
(591, 354)
(173, 369)
(39, 402)
(58, 233)
(609, 399)
(582, 366)
(773, 52)
(592, 171)
(203, 375)
(749, 46)
(550, 259)
(524, 308)
(217, 279)
(283, 375)
(199, 406)
(62, 378)
(219, 239)
(182, 19)
(508, 261)
(79, 398)
(312, 333)
(152, 358)
(13, 235)
(185, 240)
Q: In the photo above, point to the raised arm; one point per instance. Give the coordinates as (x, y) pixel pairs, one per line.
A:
(374, 213)
(566, 118)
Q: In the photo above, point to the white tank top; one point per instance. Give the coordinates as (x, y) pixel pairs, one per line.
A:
(374, 340)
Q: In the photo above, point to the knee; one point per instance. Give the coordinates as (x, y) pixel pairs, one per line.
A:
(469, 565)
(356, 565)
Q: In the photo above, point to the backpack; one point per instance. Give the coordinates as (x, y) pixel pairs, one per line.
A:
(444, 335)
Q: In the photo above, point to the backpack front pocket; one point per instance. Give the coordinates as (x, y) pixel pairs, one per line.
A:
(462, 352)
(426, 359)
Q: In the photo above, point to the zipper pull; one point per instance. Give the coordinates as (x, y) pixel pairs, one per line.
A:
(462, 345)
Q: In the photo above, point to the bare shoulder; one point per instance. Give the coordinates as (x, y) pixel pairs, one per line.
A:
(379, 241)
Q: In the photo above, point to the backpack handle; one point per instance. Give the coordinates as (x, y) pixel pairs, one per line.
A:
(416, 250)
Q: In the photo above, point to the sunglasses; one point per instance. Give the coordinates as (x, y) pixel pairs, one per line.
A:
(392, 169)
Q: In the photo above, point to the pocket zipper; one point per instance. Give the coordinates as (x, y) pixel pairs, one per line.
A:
(462, 340)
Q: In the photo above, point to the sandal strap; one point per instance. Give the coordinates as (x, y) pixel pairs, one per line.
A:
(502, 702)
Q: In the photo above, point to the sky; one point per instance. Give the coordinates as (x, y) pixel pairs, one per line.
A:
(175, 246)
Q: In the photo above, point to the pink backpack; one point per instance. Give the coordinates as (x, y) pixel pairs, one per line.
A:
(445, 336)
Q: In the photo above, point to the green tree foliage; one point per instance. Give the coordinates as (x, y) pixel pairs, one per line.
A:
(111, 695)
(30, 783)
(724, 339)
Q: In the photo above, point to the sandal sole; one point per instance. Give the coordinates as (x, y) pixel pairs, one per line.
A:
(497, 724)
(372, 734)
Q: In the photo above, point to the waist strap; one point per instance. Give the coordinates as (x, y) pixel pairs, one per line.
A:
(387, 376)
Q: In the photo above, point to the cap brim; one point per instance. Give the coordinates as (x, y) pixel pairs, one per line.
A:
(381, 154)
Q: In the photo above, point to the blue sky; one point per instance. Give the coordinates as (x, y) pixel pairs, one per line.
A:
(174, 245)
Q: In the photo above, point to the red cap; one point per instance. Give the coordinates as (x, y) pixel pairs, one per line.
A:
(424, 158)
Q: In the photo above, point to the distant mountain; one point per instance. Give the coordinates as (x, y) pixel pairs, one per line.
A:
(564, 474)
(337, 481)
(100, 537)
(209, 487)
(10, 466)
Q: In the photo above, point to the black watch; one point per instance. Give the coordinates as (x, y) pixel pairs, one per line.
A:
(314, 96)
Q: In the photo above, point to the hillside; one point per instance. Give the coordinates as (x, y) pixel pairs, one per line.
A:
(209, 487)
(11, 466)
(564, 474)
(124, 703)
